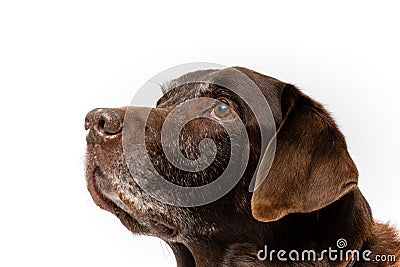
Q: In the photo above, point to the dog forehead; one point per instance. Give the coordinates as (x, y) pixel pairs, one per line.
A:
(198, 83)
(188, 86)
(182, 92)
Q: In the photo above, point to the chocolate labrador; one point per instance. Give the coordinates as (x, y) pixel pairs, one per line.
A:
(305, 209)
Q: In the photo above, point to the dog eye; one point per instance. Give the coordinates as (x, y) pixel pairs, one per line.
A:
(222, 110)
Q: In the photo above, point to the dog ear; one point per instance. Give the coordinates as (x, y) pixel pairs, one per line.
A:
(311, 168)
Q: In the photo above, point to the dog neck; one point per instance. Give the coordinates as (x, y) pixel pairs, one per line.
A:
(320, 229)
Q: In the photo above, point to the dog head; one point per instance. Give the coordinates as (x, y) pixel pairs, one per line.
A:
(309, 170)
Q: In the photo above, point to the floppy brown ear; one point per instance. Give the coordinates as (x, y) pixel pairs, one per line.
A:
(311, 168)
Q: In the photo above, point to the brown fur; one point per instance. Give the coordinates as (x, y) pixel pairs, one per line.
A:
(308, 200)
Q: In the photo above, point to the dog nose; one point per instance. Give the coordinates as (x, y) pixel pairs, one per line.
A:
(103, 123)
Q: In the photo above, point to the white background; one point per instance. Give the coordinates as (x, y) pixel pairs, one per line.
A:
(60, 59)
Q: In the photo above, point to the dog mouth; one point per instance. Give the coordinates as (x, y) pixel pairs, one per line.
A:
(134, 220)
(162, 228)
(106, 204)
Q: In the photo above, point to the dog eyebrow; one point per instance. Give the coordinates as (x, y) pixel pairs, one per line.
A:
(179, 92)
(220, 91)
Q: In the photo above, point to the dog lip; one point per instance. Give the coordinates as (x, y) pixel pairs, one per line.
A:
(106, 204)
(98, 196)
(159, 225)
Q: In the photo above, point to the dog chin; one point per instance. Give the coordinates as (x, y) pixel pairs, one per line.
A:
(117, 203)
(93, 173)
